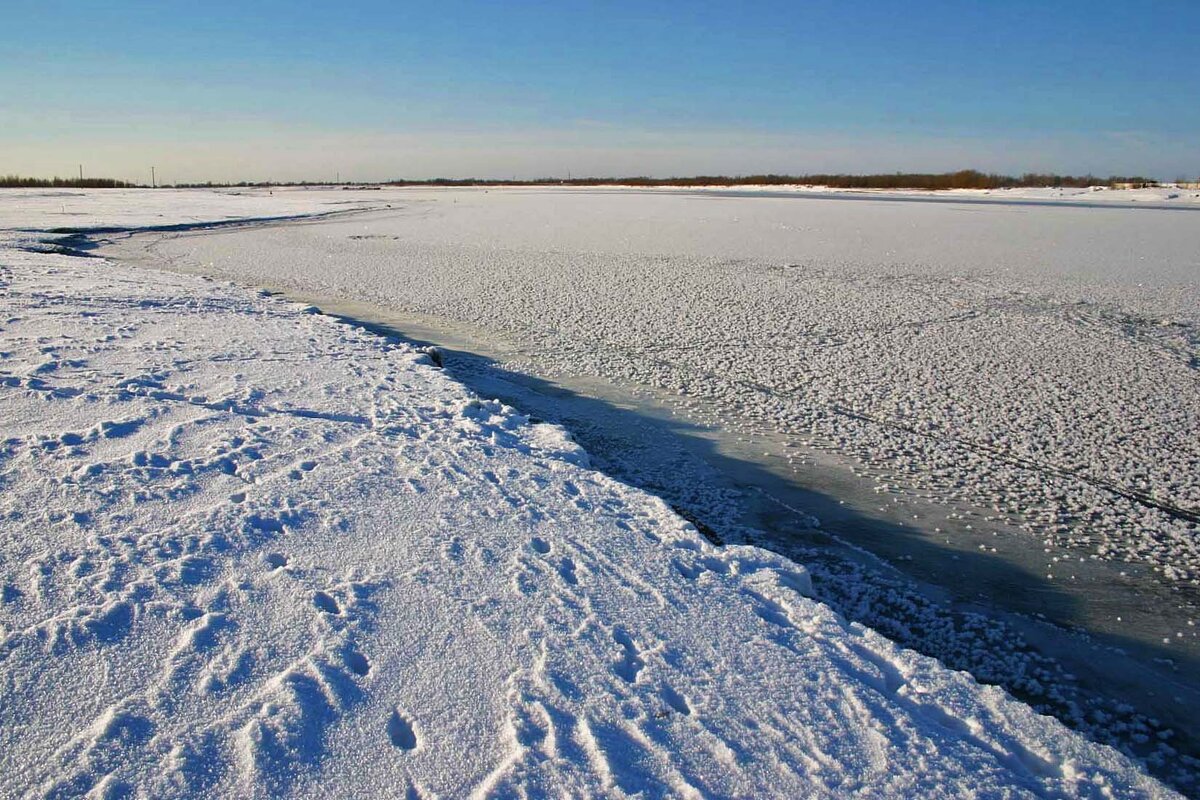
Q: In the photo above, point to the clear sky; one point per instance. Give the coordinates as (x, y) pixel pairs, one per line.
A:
(374, 89)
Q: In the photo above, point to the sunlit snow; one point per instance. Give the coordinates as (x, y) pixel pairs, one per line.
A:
(252, 550)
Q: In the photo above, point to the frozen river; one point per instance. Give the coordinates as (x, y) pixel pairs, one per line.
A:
(1000, 402)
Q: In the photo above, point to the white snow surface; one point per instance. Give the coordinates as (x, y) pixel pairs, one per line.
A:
(1167, 195)
(251, 551)
(1038, 361)
(42, 209)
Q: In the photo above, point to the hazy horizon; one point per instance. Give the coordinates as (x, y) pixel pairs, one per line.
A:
(374, 92)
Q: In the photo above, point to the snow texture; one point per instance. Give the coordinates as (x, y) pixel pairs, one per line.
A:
(1039, 362)
(253, 551)
(1168, 195)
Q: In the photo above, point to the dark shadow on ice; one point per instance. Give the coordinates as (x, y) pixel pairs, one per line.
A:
(80, 241)
(998, 616)
(1006, 624)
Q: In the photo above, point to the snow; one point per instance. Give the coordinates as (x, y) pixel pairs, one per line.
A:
(42, 209)
(1167, 195)
(253, 551)
(953, 349)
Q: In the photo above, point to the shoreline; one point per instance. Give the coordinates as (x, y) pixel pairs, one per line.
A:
(473, 361)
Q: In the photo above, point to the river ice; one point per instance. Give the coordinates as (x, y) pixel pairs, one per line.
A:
(251, 549)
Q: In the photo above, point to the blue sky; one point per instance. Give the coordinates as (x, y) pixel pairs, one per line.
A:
(268, 89)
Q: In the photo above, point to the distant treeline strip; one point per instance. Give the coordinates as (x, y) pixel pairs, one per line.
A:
(963, 179)
(16, 181)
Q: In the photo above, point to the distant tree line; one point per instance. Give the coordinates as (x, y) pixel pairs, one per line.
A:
(244, 184)
(16, 181)
(962, 179)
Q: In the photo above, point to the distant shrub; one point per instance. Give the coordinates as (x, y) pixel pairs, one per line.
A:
(962, 179)
(16, 181)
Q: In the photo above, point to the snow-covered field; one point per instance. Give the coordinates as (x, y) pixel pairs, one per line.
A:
(1165, 196)
(250, 550)
(48, 209)
(1040, 362)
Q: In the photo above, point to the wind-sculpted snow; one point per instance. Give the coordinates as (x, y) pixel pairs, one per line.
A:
(70, 209)
(1039, 362)
(1168, 196)
(251, 551)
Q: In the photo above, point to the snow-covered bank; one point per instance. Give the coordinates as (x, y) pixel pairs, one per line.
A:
(42, 209)
(252, 550)
(1166, 196)
(968, 372)
(954, 351)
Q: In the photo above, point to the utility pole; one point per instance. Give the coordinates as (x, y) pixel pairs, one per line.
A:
(81, 173)
(153, 181)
